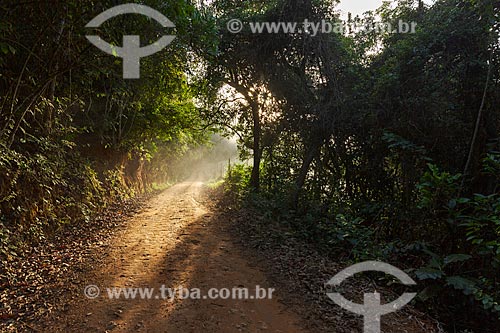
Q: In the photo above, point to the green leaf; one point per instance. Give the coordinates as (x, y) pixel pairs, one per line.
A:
(460, 283)
(452, 203)
(456, 258)
(426, 273)
(4, 48)
(435, 262)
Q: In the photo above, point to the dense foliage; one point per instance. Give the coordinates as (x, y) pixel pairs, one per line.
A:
(74, 135)
(378, 145)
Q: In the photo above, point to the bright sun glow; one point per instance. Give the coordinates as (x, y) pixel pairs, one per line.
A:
(358, 7)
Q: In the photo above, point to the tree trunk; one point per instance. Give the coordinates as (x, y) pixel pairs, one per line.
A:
(478, 122)
(304, 169)
(257, 151)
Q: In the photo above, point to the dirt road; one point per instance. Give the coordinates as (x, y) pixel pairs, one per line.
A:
(175, 242)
